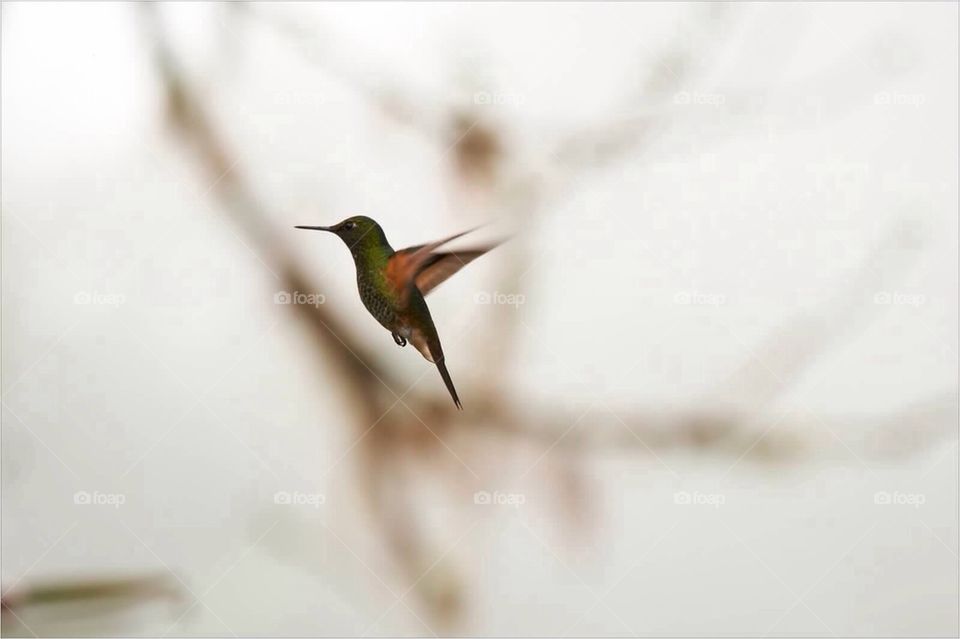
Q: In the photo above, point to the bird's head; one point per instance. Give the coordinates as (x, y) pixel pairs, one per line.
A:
(352, 230)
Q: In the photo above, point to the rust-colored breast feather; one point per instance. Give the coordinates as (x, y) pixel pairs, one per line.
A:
(401, 270)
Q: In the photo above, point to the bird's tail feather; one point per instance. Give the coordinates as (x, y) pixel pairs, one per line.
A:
(442, 367)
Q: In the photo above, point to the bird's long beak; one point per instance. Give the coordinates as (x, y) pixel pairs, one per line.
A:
(315, 228)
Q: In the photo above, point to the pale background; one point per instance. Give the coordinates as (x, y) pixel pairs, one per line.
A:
(788, 145)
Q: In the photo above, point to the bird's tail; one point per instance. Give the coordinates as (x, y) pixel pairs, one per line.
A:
(442, 367)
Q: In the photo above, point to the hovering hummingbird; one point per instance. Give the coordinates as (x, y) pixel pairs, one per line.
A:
(393, 283)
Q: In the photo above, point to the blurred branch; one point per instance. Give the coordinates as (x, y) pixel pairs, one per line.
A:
(100, 595)
(363, 377)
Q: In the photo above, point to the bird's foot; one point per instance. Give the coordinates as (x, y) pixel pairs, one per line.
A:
(399, 339)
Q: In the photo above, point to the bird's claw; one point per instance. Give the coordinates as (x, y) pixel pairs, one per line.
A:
(399, 339)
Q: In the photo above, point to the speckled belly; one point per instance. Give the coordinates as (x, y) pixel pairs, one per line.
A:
(379, 305)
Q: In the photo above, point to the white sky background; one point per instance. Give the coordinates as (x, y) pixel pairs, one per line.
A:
(773, 217)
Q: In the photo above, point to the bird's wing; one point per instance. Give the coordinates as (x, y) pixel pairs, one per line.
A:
(422, 266)
(423, 250)
(441, 266)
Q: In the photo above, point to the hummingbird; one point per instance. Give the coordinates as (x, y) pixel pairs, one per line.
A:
(392, 284)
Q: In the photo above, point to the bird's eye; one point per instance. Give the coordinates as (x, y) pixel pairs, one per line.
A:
(349, 226)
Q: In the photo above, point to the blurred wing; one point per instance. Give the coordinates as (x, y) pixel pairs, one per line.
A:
(420, 266)
(423, 250)
(442, 265)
